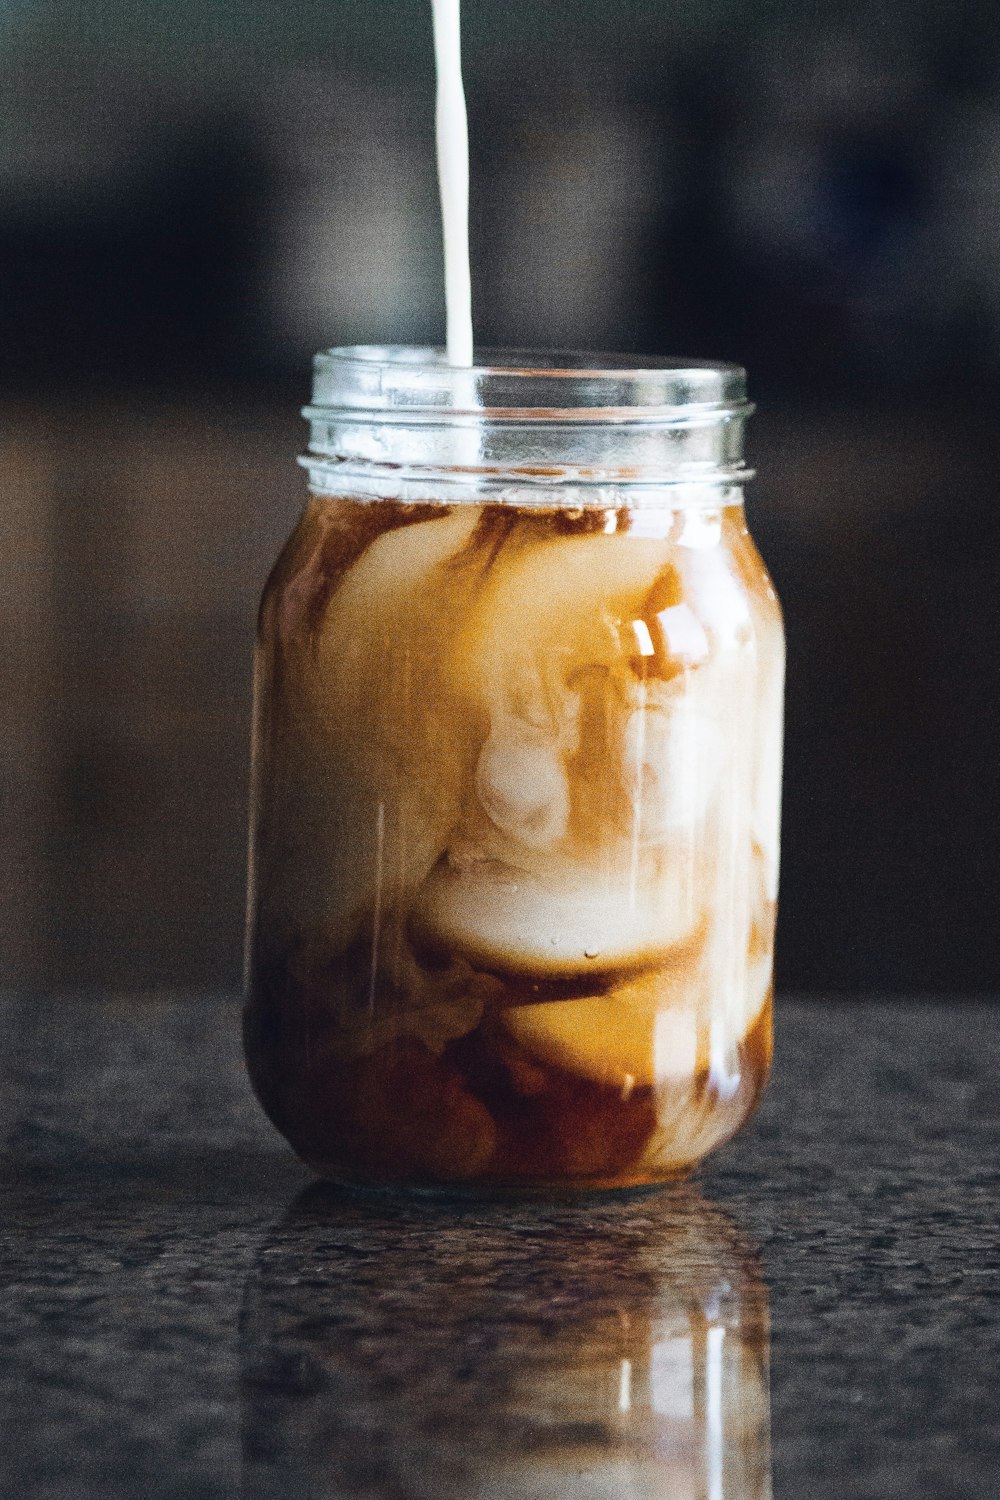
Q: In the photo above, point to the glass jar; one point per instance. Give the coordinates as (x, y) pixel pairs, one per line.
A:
(514, 846)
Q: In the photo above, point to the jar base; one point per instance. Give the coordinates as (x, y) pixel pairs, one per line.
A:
(592, 1190)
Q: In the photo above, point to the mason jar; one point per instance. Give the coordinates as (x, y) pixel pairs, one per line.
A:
(517, 746)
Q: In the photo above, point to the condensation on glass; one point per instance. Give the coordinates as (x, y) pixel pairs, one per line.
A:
(514, 844)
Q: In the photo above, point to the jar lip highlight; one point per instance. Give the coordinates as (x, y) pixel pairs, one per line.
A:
(526, 385)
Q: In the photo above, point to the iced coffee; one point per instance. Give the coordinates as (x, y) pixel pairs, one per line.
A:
(515, 829)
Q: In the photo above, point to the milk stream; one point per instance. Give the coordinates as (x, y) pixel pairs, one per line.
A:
(453, 178)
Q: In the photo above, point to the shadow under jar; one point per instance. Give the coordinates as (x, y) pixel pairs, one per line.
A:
(517, 759)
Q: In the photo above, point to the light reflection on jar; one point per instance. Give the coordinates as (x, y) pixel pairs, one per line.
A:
(499, 1355)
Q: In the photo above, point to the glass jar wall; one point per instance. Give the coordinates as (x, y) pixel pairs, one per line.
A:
(514, 839)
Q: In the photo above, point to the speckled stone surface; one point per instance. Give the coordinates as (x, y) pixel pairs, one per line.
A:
(183, 1315)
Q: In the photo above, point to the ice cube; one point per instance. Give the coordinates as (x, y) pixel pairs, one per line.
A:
(521, 784)
(643, 1033)
(549, 610)
(516, 920)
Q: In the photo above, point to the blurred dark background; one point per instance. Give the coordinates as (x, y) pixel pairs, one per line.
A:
(195, 196)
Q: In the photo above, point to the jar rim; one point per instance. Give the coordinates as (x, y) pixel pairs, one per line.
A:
(525, 384)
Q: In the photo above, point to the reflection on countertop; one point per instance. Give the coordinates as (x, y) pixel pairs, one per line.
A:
(386, 1352)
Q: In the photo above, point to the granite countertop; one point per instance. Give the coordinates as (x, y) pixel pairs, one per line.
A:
(185, 1314)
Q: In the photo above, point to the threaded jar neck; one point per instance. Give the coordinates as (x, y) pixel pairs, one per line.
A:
(401, 421)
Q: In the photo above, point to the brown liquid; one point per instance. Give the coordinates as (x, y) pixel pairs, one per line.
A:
(514, 842)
